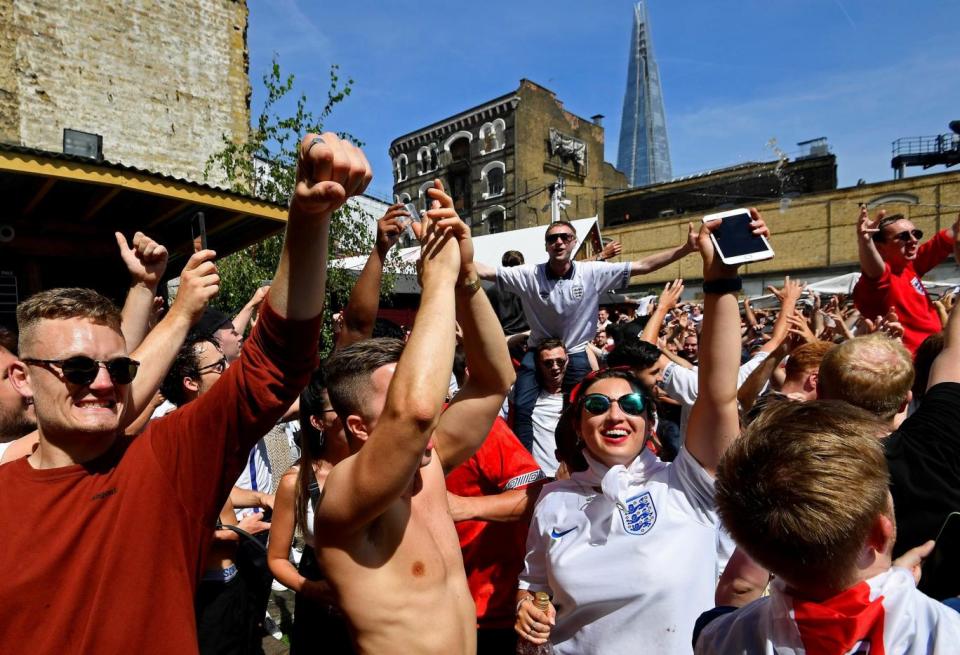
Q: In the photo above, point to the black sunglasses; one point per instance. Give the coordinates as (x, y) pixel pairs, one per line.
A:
(906, 234)
(560, 362)
(566, 237)
(631, 403)
(82, 370)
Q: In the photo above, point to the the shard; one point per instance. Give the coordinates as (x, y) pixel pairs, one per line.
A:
(644, 154)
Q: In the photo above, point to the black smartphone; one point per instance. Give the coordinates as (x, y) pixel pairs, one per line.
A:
(198, 232)
(941, 570)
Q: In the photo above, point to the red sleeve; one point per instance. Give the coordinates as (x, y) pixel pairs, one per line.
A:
(509, 465)
(204, 445)
(933, 252)
(869, 295)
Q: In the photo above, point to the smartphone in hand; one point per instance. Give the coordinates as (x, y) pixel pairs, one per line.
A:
(735, 241)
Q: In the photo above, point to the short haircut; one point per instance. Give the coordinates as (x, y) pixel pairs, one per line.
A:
(62, 304)
(558, 223)
(348, 372)
(873, 372)
(185, 365)
(923, 361)
(512, 258)
(806, 357)
(8, 340)
(800, 490)
(636, 354)
(549, 344)
(884, 222)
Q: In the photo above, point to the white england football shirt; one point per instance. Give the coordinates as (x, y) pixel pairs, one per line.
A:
(563, 308)
(632, 577)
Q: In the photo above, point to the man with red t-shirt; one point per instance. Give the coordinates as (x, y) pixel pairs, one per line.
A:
(491, 497)
(105, 536)
(892, 261)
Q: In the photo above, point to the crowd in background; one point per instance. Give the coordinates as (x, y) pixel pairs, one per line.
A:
(523, 470)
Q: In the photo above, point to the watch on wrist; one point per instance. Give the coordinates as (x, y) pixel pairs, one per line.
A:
(470, 287)
(723, 285)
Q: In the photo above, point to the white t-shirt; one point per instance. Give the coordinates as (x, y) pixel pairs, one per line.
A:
(683, 385)
(633, 575)
(885, 614)
(563, 308)
(546, 415)
(257, 475)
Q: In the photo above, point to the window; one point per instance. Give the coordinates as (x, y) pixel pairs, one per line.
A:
(493, 217)
(492, 176)
(458, 145)
(400, 168)
(427, 159)
(492, 136)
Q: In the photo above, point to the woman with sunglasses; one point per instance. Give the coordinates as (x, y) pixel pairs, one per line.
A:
(630, 548)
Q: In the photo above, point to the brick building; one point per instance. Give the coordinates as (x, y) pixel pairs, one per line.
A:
(108, 114)
(499, 159)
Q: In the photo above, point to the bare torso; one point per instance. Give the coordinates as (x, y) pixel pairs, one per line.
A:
(401, 580)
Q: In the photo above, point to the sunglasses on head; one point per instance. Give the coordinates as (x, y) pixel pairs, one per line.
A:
(906, 234)
(566, 237)
(631, 403)
(82, 370)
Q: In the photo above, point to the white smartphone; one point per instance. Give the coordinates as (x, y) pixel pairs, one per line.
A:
(735, 241)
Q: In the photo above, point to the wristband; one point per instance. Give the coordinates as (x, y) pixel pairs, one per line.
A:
(723, 285)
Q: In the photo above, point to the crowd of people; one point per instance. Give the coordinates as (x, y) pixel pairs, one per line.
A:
(524, 470)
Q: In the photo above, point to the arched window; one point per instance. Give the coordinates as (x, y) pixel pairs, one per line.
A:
(893, 198)
(458, 145)
(400, 168)
(492, 175)
(492, 136)
(423, 160)
(493, 217)
(403, 197)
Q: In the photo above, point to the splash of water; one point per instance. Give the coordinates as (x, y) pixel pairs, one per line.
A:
(780, 170)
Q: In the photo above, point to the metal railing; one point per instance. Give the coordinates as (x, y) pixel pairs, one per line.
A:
(926, 145)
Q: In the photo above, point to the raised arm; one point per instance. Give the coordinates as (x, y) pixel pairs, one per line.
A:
(946, 366)
(467, 421)
(329, 171)
(362, 486)
(668, 300)
(788, 296)
(871, 263)
(661, 259)
(242, 319)
(360, 314)
(714, 420)
(199, 283)
(146, 261)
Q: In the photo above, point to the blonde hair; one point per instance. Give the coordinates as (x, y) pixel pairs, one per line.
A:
(62, 304)
(873, 372)
(800, 490)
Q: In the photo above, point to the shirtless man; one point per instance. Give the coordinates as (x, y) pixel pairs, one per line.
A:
(384, 534)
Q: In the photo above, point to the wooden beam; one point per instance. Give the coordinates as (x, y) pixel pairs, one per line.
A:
(227, 223)
(101, 201)
(39, 196)
(93, 173)
(163, 217)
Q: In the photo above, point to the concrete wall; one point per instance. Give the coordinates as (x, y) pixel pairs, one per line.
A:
(815, 234)
(161, 81)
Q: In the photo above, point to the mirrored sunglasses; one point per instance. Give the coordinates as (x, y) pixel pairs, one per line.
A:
(631, 403)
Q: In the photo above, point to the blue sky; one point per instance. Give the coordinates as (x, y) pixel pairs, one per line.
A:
(734, 73)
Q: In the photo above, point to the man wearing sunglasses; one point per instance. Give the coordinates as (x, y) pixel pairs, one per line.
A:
(560, 300)
(105, 539)
(892, 262)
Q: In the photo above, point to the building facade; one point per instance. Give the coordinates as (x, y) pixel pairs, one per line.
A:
(644, 151)
(498, 160)
(160, 82)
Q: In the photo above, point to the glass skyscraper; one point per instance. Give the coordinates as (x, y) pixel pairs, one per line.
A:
(644, 153)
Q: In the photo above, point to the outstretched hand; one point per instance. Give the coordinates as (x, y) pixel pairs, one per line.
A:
(199, 284)
(444, 219)
(866, 228)
(671, 294)
(329, 170)
(145, 259)
(713, 267)
(440, 233)
(390, 226)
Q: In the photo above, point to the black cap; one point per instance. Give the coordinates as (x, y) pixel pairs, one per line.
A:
(211, 321)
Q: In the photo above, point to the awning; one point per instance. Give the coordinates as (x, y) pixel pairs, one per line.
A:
(60, 212)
